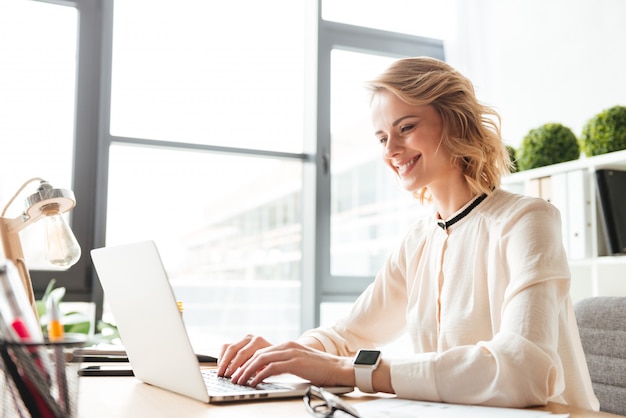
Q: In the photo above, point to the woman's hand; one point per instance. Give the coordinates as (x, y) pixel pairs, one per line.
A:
(319, 368)
(234, 355)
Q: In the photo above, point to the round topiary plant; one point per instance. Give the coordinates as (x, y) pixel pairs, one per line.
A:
(549, 144)
(605, 132)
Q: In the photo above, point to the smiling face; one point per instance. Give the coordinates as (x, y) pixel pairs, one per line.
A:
(411, 137)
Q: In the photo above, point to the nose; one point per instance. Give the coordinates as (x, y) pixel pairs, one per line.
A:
(392, 147)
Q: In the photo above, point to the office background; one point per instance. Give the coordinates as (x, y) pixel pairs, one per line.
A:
(236, 134)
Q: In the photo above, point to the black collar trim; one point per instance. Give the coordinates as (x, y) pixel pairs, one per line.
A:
(445, 225)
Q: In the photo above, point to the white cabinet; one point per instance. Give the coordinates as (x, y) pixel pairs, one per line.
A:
(571, 187)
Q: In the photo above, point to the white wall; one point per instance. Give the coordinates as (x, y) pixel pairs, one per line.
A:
(539, 61)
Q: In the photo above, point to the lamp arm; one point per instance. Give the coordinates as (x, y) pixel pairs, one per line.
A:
(26, 183)
(21, 222)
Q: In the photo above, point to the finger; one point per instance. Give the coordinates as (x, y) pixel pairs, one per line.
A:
(242, 374)
(264, 363)
(222, 353)
(263, 356)
(243, 354)
(222, 360)
(228, 353)
(272, 369)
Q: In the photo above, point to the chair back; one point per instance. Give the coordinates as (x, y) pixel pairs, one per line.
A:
(602, 325)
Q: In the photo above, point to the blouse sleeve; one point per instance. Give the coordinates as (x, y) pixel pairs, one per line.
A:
(377, 317)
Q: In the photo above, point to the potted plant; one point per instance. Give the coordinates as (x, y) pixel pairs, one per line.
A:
(605, 132)
(548, 144)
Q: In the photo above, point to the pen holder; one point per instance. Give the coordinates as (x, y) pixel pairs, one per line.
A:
(39, 380)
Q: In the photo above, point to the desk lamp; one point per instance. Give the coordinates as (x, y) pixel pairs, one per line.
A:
(62, 249)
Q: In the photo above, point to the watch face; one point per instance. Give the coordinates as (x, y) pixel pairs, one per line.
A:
(367, 357)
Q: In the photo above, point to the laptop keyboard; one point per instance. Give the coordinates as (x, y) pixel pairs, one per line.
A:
(215, 383)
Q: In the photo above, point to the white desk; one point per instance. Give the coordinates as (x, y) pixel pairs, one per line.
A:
(101, 397)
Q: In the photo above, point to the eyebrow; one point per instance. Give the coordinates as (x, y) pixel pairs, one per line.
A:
(397, 122)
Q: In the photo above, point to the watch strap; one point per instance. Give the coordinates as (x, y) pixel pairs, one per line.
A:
(363, 378)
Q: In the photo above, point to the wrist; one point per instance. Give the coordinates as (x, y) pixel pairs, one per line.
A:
(347, 373)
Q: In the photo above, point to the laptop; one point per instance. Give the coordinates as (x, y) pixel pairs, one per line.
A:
(138, 292)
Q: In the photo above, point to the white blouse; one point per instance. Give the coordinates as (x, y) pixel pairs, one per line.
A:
(486, 305)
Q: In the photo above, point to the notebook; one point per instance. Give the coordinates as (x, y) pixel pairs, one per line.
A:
(138, 292)
(612, 207)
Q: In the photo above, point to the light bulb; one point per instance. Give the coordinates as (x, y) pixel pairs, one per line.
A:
(62, 249)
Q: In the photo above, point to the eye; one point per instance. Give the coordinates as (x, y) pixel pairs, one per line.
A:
(406, 128)
(382, 140)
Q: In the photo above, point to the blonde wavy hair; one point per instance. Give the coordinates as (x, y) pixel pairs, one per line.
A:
(471, 131)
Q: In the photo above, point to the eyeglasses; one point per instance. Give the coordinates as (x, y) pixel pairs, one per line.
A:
(323, 404)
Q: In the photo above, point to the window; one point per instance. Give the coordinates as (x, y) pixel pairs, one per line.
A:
(205, 157)
(210, 73)
(49, 116)
(38, 48)
(37, 86)
(214, 218)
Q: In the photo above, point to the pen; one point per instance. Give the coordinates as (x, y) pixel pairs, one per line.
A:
(19, 317)
(15, 307)
(55, 328)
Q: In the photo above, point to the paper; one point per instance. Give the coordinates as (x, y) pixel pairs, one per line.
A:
(402, 408)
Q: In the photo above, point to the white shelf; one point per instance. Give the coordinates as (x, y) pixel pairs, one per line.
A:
(571, 187)
(615, 160)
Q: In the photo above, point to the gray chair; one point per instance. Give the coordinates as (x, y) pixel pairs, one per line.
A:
(602, 325)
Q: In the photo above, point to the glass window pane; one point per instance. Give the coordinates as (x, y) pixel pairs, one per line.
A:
(369, 210)
(229, 232)
(224, 73)
(431, 19)
(37, 90)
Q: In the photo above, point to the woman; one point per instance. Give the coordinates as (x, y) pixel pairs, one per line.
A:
(481, 287)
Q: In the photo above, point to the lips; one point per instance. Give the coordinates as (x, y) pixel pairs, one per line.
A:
(403, 168)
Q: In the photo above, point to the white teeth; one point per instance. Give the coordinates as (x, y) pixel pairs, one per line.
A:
(405, 166)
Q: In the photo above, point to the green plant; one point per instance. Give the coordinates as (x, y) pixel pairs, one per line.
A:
(605, 132)
(548, 144)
